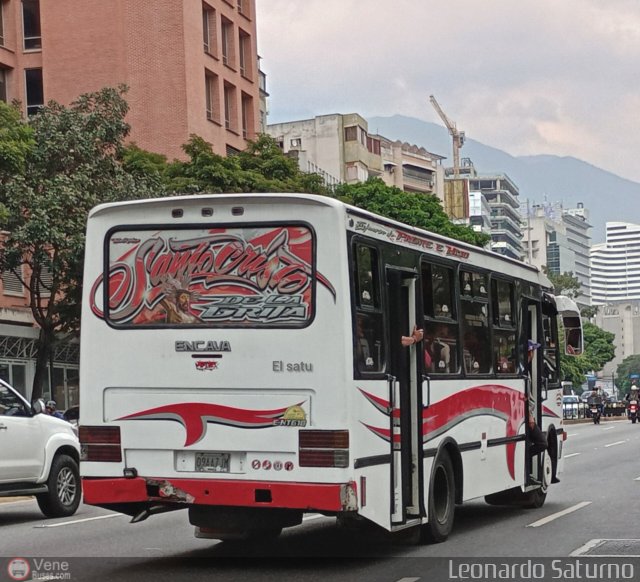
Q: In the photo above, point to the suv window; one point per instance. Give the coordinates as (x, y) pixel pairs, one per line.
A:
(10, 403)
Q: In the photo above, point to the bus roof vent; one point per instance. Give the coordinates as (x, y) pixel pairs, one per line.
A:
(237, 211)
(207, 212)
(177, 213)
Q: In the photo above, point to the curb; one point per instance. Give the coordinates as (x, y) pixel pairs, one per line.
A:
(604, 419)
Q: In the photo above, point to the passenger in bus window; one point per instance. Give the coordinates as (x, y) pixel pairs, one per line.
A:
(438, 345)
(363, 349)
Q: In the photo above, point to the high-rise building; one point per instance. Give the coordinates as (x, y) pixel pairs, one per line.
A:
(191, 67)
(559, 240)
(502, 194)
(615, 265)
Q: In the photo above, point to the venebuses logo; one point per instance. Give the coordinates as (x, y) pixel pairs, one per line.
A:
(19, 569)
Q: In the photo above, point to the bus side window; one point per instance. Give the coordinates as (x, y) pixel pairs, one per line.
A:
(440, 325)
(474, 317)
(550, 364)
(369, 332)
(504, 332)
(369, 345)
(367, 280)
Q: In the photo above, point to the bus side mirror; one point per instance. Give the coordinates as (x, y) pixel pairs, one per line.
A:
(572, 336)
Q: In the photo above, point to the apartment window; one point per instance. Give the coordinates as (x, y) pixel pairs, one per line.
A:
(1, 23)
(245, 54)
(248, 122)
(11, 283)
(243, 7)
(3, 85)
(351, 133)
(209, 30)
(35, 91)
(230, 107)
(31, 24)
(373, 145)
(212, 96)
(228, 51)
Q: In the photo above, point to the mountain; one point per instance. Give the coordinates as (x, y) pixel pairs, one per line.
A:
(607, 197)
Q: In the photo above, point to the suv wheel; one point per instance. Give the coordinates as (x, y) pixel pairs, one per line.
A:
(63, 497)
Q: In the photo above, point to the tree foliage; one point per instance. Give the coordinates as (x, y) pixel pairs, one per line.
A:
(261, 167)
(16, 141)
(423, 211)
(565, 284)
(72, 162)
(630, 365)
(598, 350)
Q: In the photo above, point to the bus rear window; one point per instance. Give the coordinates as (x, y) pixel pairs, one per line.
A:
(219, 277)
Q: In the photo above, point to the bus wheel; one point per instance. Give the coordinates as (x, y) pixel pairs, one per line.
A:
(535, 499)
(441, 501)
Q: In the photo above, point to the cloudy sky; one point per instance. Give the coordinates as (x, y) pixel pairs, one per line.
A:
(526, 76)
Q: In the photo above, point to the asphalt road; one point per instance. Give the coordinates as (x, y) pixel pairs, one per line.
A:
(594, 502)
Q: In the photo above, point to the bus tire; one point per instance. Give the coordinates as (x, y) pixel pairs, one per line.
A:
(535, 499)
(442, 502)
(64, 490)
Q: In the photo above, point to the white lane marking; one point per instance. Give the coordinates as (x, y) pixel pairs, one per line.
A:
(313, 516)
(614, 444)
(571, 455)
(609, 427)
(585, 548)
(408, 580)
(562, 513)
(572, 434)
(637, 479)
(591, 544)
(81, 520)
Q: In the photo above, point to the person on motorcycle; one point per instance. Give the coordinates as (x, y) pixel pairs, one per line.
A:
(597, 400)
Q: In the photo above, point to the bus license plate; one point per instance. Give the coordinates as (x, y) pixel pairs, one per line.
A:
(212, 462)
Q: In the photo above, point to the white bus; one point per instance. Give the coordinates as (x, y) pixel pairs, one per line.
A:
(241, 357)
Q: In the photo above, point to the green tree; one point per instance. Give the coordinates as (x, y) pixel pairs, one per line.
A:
(261, 167)
(423, 211)
(73, 164)
(565, 283)
(630, 365)
(16, 141)
(598, 350)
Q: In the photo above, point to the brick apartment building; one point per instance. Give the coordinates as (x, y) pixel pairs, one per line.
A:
(191, 67)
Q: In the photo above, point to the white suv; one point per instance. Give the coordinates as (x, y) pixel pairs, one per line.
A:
(39, 455)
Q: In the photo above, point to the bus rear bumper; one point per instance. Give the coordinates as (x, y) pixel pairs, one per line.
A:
(331, 497)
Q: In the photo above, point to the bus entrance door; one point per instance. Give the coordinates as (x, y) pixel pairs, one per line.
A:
(404, 394)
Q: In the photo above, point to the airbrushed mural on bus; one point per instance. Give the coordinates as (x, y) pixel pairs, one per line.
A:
(242, 359)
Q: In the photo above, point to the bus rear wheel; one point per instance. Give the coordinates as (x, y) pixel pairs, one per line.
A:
(442, 501)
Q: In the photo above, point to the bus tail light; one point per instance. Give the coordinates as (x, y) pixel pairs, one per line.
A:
(323, 448)
(100, 443)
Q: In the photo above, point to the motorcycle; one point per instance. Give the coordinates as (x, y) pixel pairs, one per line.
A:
(595, 414)
(633, 411)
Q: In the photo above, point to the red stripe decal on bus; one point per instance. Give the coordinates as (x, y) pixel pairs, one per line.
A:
(491, 399)
(195, 416)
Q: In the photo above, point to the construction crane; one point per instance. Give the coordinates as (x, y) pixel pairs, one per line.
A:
(456, 136)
